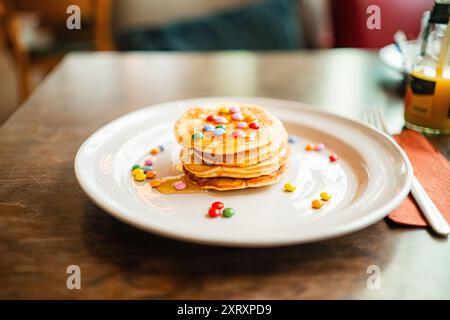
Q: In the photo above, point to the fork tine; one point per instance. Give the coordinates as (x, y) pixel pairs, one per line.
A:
(376, 119)
(381, 119)
(364, 117)
(369, 118)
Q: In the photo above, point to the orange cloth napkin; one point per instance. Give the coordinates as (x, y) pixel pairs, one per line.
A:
(433, 171)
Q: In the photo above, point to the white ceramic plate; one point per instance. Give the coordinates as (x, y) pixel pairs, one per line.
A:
(371, 178)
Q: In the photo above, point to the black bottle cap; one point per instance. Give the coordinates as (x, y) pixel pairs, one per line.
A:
(441, 12)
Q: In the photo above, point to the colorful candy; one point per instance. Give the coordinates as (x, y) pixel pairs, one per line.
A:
(237, 117)
(208, 127)
(333, 157)
(292, 139)
(220, 119)
(138, 171)
(146, 172)
(150, 174)
(210, 118)
(235, 109)
(289, 187)
(213, 212)
(317, 204)
(139, 177)
(249, 118)
(254, 125)
(224, 110)
(217, 205)
(138, 174)
(310, 147)
(147, 168)
(319, 147)
(155, 183)
(179, 185)
(228, 212)
(216, 210)
(197, 135)
(241, 125)
(237, 133)
(218, 132)
(325, 196)
(220, 126)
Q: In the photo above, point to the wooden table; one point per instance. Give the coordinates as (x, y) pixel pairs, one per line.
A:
(47, 223)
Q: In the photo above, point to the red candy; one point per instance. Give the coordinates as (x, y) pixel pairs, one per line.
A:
(217, 205)
(213, 212)
(254, 125)
(333, 157)
(210, 118)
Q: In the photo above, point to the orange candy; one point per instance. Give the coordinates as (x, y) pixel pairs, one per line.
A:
(310, 147)
(249, 118)
(155, 183)
(150, 174)
(154, 151)
(317, 204)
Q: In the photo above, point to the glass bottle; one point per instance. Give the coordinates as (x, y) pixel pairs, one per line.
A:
(427, 99)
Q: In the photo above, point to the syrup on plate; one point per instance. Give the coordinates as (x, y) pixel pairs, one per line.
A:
(166, 186)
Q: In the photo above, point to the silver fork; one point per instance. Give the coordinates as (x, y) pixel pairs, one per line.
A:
(374, 116)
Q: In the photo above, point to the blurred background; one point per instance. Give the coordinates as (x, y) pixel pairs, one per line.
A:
(34, 36)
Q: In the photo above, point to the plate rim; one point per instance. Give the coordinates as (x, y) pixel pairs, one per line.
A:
(356, 225)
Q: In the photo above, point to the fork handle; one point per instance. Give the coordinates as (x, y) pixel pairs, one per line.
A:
(429, 210)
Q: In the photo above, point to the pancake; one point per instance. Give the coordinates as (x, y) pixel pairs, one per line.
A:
(195, 118)
(244, 158)
(231, 146)
(265, 167)
(223, 184)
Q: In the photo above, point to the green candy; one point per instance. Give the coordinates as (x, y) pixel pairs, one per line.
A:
(197, 135)
(136, 166)
(228, 212)
(220, 126)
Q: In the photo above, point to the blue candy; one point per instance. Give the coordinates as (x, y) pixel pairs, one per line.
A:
(218, 132)
(147, 168)
(208, 127)
(292, 139)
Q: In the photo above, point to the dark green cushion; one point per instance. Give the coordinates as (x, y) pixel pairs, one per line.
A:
(267, 25)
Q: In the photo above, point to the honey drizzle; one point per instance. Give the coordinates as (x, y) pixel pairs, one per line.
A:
(166, 187)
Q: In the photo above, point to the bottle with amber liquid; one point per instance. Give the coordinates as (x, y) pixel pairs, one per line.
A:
(427, 99)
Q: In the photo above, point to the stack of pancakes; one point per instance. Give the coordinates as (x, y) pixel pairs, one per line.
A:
(231, 146)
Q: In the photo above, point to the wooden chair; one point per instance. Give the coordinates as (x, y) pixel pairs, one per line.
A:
(96, 33)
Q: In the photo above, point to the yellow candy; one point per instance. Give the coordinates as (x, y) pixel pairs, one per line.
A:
(317, 204)
(137, 171)
(139, 177)
(224, 110)
(289, 187)
(325, 196)
(310, 147)
(249, 118)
